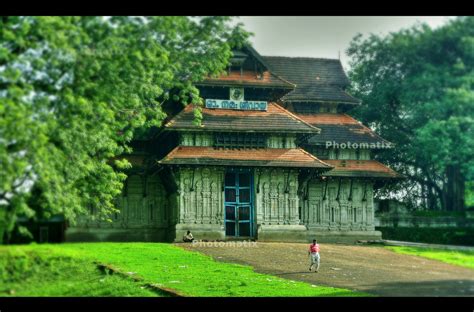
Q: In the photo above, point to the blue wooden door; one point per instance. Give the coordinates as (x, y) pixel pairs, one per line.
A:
(239, 204)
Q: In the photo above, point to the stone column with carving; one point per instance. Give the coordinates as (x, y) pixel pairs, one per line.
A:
(198, 201)
(273, 201)
(266, 202)
(213, 211)
(206, 196)
(281, 203)
(293, 200)
(186, 203)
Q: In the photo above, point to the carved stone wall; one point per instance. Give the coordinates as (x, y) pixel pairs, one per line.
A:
(276, 196)
(331, 206)
(142, 204)
(201, 199)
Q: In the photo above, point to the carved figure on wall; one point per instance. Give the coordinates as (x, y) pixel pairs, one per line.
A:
(206, 195)
(214, 202)
(266, 201)
(198, 202)
(186, 200)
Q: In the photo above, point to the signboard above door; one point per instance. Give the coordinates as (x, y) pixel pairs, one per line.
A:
(236, 101)
(239, 105)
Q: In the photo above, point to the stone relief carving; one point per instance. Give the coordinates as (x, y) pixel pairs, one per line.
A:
(198, 201)
(186, 200)
(352, 214)
(266, 201)
(214, 206)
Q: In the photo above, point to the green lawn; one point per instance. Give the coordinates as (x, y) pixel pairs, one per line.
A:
(461, 258)
(69, 270)
(36, 272)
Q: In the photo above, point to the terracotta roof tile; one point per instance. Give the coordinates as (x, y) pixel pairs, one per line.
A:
(340, 128)
(248, 77)
(275, 119)
(268, 157)
(360, 168)
(329, 118)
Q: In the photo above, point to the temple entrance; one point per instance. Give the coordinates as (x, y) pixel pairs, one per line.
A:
(239, 204)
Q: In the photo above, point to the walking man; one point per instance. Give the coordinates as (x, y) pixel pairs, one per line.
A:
(313, 252)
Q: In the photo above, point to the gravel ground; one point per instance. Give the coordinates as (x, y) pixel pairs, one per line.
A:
(374, 270)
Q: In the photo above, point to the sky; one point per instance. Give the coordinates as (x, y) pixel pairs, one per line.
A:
(323, 36)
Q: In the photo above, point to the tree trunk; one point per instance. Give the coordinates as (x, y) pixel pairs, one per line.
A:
(432, 198)
(424, 195)
(454, 189)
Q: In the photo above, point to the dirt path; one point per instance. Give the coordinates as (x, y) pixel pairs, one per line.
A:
(371, 269)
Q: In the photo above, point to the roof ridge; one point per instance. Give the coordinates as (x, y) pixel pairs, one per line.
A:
(259, 57)
(304, 58)
(294, 116)
(283, 79)
(173, 151)
(173, 119)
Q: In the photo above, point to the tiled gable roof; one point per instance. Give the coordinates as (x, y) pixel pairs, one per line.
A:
(316, 79)
(319, 92)
(340, 128)
(360, 168)
(266, 157)
(275, 119)
(248, 78)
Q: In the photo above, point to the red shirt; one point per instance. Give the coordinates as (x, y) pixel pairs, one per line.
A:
(314, 248)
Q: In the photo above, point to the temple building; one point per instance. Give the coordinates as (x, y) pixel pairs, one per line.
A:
(276, 158)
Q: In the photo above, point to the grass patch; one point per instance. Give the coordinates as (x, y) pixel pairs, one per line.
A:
(461, 258)
(165, 265)
(39, 273)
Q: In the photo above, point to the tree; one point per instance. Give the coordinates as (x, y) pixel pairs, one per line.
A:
(417, 91)
(74, 90)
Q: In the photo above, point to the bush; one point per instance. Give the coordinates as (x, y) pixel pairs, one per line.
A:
(431, 213)
(446, 236)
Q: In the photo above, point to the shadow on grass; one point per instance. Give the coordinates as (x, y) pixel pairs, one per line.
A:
(292, 273)
(442, 288)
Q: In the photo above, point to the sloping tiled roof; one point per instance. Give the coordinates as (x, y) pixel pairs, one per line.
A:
(340, 128)
(267, 157)
(316, 79)
(275, 119)
(319, 92)
(360, 168)
(249, 78)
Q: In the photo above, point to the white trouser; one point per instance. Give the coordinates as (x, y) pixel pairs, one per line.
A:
(315, 259)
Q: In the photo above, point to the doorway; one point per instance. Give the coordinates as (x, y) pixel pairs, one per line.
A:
(239, 204)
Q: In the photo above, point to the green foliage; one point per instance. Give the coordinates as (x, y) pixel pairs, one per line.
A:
(447, 236)
(417, 91)
(73, 92)
(456, 257)
(470, 195)
(434, 214)
(191, 273)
